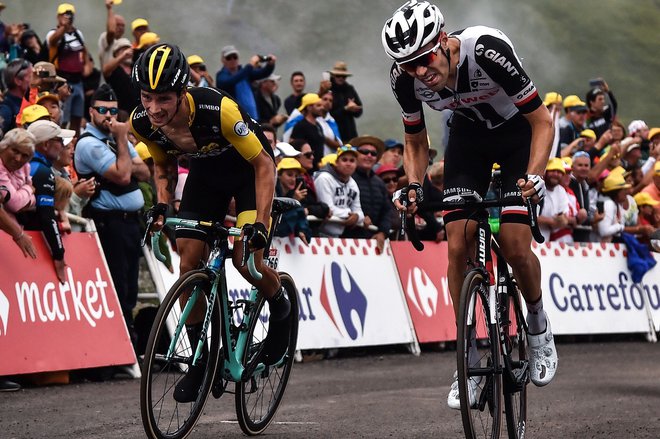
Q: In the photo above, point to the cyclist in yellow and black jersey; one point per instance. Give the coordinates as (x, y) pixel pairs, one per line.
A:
(230, 158)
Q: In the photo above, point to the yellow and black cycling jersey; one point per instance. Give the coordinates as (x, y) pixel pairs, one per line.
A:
(216, 123)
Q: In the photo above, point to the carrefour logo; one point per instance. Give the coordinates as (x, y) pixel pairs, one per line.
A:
(421, 292)
(4, 313)
(347, 307)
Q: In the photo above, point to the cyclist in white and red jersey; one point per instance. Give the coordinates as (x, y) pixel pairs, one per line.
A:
(498, 116)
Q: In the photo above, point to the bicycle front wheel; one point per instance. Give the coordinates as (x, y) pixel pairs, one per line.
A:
(258, 397)
(168, 356)
(516, 377)
(482, 416)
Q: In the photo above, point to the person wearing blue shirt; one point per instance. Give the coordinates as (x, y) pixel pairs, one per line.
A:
(104, 152)
(236, 79)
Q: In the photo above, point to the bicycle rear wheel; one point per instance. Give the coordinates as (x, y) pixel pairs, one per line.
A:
(483, 420)
(258, 397)
(166, 361)
(517, 377)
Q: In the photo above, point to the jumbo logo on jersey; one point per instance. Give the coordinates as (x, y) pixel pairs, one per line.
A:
(421, 292)
(348, 303)
(4, 313)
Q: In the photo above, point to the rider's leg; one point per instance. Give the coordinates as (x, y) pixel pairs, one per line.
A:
(460, 243)
(192, 253)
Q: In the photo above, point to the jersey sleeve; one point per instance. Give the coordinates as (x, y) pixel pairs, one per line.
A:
(498, 59)
(403, 87)
(159, 156)
(237, 131)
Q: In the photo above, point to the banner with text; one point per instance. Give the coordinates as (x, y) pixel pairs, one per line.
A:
(49, 326)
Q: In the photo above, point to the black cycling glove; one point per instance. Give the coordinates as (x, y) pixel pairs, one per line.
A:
(156, 211)
(419, 193)
(257, 235)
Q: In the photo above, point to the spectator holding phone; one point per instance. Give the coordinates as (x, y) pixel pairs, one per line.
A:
(553, 218)
(601, 113)
(294, 222)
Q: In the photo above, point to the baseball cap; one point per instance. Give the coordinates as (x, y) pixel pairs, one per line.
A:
(63, 8)
(588, 133)
(593, 93)
(139, 22)
(347, 148)
(574, 103)
(391, 143)
(228, 50)
(552, 97)
(308, 99)
(44, 130)
(568, 164)
(555, 164)
(653, 132)
(645, 199)
(386, 168)
(286, 149)
(328, 159)
(271, 77)
(635, 126)
(46, 71)
(45, 96)
(289, 163)
(104, 93)
(33, 113)
(195, 59)
(148, 39)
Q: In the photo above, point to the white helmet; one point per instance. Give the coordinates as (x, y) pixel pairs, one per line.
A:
(412, 26)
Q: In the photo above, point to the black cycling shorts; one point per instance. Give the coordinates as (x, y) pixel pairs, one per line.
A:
(471, 152)
(211, 184)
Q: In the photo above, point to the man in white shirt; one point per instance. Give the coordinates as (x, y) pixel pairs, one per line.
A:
(553, 219)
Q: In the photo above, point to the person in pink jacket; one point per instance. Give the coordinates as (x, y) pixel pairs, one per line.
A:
(16, 150)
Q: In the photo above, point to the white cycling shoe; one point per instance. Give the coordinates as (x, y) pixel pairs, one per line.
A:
(454, 400)
(543, 358)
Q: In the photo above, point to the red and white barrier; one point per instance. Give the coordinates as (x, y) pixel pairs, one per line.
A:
(48, 326)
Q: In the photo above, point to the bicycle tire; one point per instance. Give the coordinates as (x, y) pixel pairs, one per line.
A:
(258, 398)
(515, 392)
(162, 416)
(485, 420)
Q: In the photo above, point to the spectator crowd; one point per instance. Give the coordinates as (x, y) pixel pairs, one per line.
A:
(67, 152)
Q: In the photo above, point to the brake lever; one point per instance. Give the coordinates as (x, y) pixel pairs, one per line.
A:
(150, 221)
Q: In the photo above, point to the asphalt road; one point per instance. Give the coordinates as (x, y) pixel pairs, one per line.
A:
(602, 390)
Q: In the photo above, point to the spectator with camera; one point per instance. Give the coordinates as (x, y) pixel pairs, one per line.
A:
(601, 113)
(236, 79)
(199, 75)
(68, 53)
(290, 184)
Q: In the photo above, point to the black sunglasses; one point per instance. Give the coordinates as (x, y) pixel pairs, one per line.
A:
(368, 152)
(309, 155)
(391, 180)
(102, 110)
(231, 57)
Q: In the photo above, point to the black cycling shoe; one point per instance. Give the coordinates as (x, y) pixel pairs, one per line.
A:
(187, 389)
(277, 341)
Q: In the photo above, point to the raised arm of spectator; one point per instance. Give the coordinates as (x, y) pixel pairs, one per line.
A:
(265, 71)
(110, 24)
(226, 80)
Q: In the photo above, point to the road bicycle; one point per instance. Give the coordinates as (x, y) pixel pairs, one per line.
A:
(491, 318)
(228, 345)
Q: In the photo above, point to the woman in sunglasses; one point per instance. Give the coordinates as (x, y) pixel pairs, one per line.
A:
(498, 116)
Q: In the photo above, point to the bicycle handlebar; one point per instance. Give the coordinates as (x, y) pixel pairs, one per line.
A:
(462, 203)
(232, 231)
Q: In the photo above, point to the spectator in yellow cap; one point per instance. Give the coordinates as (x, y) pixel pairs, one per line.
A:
(147, 40)
(33, 113)
(647, 210)
(138, 27)
(67, 49)
(571, 125)
(308, 128)
(51, 101)
(554, 216)
(199, 75)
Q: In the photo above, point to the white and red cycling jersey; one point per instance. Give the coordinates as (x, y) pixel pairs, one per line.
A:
(491, 85)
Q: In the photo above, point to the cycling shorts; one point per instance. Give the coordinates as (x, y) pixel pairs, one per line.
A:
(471, 152)
(211, 184)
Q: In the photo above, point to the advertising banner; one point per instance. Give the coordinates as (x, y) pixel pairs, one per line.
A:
(588, 289)
(48, 326)
(349, 293)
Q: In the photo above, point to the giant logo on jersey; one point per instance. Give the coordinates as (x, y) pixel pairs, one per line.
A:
(343, 301)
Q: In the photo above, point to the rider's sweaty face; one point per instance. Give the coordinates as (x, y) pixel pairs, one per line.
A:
(160, 107)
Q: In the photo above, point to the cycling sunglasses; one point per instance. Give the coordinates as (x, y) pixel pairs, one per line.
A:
(422, 60)
(391, 180)
(102, 110)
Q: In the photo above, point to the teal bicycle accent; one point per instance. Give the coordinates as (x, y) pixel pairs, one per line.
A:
(227, 347)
